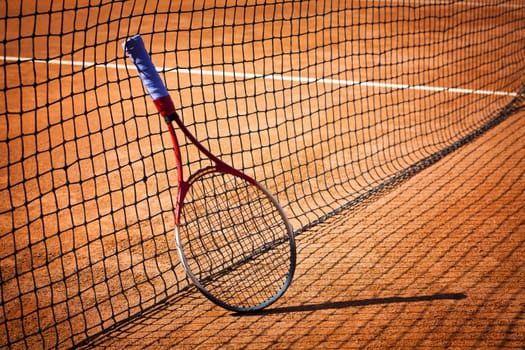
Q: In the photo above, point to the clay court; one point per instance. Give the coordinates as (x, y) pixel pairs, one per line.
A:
(435, 263)
(392, 132)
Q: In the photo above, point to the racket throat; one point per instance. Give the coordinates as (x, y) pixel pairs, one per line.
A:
(183, 189)
(171, 117)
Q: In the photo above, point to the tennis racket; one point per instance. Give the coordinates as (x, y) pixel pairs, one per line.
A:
(233, 238)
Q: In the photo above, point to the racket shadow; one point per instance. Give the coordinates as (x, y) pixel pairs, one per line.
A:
(358, 303)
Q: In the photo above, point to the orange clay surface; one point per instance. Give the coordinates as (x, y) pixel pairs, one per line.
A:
(438, 262)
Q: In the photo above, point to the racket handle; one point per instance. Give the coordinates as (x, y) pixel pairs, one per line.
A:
(136, 51)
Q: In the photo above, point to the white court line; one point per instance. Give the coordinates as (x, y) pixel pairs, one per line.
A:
(275, 77)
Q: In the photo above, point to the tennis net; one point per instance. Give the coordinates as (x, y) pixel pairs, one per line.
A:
(327, 103)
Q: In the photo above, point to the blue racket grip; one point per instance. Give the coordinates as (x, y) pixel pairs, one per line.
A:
(136, 51)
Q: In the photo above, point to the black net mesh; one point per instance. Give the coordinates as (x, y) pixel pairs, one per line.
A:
(325, 103)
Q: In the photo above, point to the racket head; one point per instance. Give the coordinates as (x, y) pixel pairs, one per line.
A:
(234, 240)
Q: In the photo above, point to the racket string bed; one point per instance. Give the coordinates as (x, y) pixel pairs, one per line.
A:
(245, 263)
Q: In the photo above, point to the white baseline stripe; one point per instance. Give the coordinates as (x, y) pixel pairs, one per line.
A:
(275, 77)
